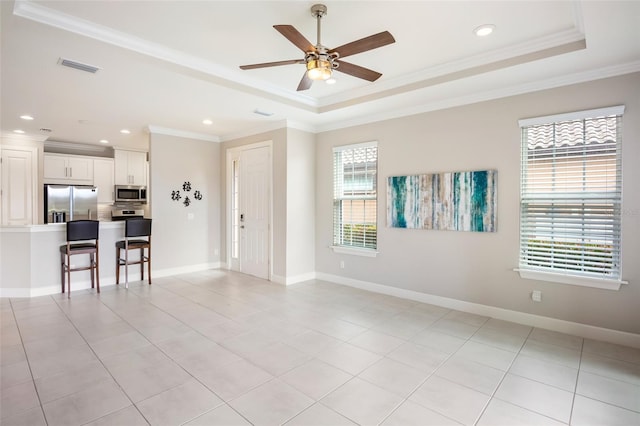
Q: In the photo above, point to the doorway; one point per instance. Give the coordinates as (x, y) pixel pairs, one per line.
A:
(249, 212)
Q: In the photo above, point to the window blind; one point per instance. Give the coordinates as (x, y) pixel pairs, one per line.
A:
(571, 193)
(355, 195)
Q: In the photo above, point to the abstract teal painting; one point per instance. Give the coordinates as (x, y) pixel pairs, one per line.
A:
(458, 201)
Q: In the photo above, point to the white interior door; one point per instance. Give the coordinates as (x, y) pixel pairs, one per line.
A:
(250, 211)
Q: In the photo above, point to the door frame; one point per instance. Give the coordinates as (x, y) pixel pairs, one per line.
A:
(233, 153)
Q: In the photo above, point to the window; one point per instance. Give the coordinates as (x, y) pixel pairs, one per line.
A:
(570, 196)
(354, 196)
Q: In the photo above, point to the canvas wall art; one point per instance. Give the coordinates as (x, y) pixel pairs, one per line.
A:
(459, 201)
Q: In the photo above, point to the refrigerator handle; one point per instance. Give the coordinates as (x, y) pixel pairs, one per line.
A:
(89, 214)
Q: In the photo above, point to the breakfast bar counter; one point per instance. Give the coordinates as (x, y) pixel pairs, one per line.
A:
(30, 259)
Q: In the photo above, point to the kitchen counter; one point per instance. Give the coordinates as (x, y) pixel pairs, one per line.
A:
(30, 259)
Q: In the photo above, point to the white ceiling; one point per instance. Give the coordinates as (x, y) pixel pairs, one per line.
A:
(167, 65)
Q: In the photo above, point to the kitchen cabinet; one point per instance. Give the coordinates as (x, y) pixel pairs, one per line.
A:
(70, 169)
(130, 167)
(19, 168)
(103, 179)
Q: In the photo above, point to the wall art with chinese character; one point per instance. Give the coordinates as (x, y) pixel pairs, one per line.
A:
(186, 197)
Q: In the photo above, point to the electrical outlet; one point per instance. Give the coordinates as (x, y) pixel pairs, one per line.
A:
(216, 252)
(342, 264)
(536, 296)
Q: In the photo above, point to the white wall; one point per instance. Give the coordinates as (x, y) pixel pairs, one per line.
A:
(478, 267)
(301, 186)
(278, 140)
(179, 241)
(293, 221)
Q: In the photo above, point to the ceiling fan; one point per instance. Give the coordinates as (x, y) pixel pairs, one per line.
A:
(321, 61)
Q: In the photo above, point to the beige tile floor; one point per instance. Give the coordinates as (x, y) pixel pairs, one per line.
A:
(220, 348)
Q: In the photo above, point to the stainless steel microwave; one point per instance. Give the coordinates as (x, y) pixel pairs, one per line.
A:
(131, 193)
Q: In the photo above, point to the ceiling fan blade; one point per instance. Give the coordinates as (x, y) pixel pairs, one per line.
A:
(358, 71)
(272, 64)
(364, 44)
(295, 37)
(305, 83)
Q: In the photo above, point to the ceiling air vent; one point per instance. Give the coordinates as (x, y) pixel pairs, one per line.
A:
(78, 65)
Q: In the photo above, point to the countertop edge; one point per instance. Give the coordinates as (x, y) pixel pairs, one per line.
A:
(54, 227)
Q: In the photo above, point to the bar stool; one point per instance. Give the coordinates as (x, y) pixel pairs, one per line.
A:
(134, 228)
(85, 231)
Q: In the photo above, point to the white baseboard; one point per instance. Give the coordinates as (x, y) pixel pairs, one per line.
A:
(279, 279)
(104, 281)
(54, 289)
(582, 330)
(186, 269)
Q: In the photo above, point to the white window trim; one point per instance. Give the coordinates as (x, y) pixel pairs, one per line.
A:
(355, 251)
(350, 250)
(355, 146)
(559, 277)
(577, 115)
(555, 277)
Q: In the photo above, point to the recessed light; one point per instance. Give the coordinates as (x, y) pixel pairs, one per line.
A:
(484, 30)
(26, 117)
(331, 81)
(18, 131)
(104, 141)
(207, 121)
(125, 131)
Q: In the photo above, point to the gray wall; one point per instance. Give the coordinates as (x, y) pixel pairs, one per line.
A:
(180, 241)
(478, 267)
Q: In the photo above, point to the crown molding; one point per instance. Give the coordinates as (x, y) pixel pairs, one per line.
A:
(533, 50)
(158, 130)
(44, 15)
(262, 128)
(542, 47)
(576, 78)
(29, 137)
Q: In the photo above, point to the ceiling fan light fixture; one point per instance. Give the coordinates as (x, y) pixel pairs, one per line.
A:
(318, 69)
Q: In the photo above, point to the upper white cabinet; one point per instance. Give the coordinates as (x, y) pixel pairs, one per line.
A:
(59, 168)
(130, 167)
(103, 179)
(19, 168)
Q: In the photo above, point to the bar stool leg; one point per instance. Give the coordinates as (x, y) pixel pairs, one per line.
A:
(62, 270)
(117, 266)
(68, 276)
(126, 267)
(142, 264)
(97, 269)
(92, 270)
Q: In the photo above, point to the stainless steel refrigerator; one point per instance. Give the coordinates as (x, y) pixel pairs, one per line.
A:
(63, 203)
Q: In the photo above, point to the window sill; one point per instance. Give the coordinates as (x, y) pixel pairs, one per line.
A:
(355, 251)
(601, 283)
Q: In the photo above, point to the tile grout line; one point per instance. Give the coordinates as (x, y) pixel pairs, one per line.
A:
(26, 355)
(575, 387)
(99, 359)
(432, 373)
(504, 376)
(171, 358)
